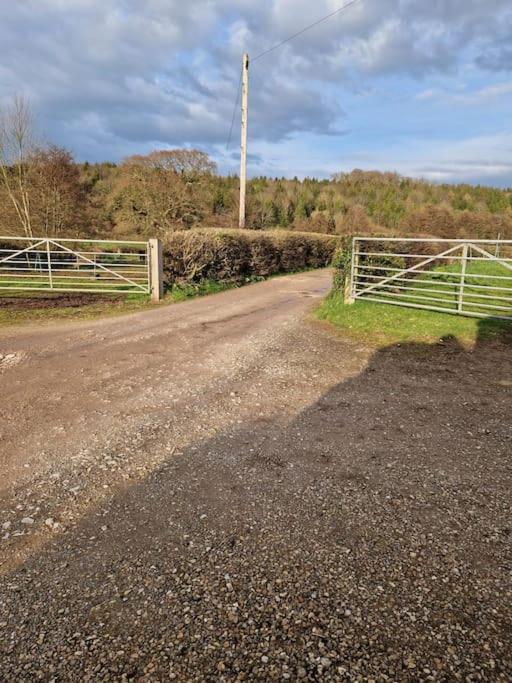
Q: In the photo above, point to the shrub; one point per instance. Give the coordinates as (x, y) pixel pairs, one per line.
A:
(341, 262)
(237, 255)
(265, 255)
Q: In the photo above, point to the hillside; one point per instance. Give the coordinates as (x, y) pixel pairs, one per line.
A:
(131, 199)
(174, 189)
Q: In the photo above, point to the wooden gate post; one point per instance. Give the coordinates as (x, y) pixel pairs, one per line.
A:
(350, 278)
(156, 270)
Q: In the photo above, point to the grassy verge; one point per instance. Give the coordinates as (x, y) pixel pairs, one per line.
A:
(183, 292)
(381, 324)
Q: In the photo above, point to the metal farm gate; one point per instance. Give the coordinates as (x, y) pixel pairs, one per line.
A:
(465, 277)
(74, 265)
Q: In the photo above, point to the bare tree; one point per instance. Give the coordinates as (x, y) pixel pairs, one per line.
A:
(56, 193)
(163, 191)
(16, 146)
(184, 161)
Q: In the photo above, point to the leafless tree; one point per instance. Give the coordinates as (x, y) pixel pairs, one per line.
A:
(163, 191)
(185, 161)
(16, 146)
(56, 193)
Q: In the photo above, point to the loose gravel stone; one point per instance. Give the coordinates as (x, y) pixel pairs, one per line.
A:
(357, 501)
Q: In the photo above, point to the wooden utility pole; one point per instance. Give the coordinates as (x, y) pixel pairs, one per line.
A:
(243, 146)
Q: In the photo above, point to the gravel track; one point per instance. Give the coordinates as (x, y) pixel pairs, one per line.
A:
(226, 490)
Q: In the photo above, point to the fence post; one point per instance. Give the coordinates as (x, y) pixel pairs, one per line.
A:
(350, 286)
(49, 257)
(465, 249)
(497, 250)
(156, 271)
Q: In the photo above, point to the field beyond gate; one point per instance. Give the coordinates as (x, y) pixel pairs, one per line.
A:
(465, 277)
(74, 265)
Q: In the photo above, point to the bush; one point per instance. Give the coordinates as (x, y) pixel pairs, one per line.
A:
(237, 255)
(341, 262)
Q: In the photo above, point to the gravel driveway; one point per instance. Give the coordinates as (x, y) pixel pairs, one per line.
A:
(226, 490)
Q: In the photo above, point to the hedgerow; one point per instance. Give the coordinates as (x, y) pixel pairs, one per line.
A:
(236, 255)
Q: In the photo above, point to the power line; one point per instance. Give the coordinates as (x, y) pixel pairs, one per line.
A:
(234, 111)
(278, 45)
(307, 28)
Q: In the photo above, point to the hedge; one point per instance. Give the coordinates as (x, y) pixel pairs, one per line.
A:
(192, 256)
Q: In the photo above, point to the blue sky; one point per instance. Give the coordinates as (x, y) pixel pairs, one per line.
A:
(422, 88)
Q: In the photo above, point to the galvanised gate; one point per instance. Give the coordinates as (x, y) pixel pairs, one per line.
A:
(80, 265)
(465, 277)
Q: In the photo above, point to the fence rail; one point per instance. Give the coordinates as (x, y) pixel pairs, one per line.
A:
(465, 277)
(75, 265)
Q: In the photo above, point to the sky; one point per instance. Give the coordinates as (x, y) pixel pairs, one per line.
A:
(421, 87)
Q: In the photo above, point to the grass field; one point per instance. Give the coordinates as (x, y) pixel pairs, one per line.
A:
(488, 288)
(74, 281)
(383, 324)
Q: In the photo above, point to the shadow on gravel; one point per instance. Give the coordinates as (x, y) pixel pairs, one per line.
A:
(369, 538)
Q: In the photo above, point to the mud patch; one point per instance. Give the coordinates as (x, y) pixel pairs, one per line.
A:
(48, 301)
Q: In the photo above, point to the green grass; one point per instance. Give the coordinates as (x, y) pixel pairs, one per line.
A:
(445, 281)
(74, 279)
(441, 286)
(189, 291)
(381, 324)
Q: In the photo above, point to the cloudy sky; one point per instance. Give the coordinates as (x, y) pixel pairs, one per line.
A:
(423, 87)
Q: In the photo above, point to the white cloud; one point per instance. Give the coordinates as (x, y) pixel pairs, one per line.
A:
(480, 96)
(469, 159)
(490, 92)
(110, 78)
(486, 159)
(426, 94)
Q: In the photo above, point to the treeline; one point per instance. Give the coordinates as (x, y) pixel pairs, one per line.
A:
(155, 195)
(137, 198)
(44, 192)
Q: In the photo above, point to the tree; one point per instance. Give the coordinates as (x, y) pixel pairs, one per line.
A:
(431, 220)
(355, 221)
(186, 161)
(57, 195)
(41, 184)
(16, 147)
(152, 198)
(164, 190)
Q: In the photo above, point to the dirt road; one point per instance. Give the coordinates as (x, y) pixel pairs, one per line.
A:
(226, 490)
(73, 386)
